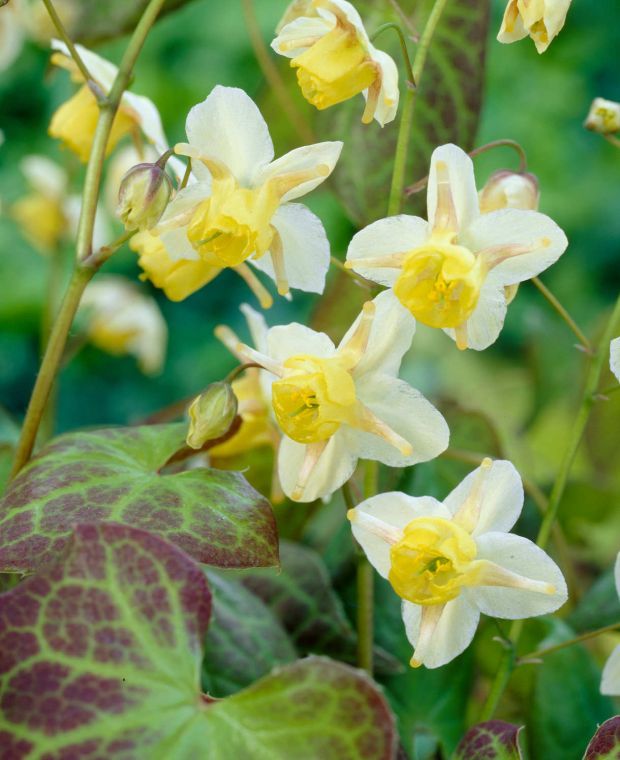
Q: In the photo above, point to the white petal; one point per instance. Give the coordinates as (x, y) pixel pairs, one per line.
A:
(289, 340)
(353, 17)
(396, 509)
(525, 558)
(102, 71)
(614, 357)
(406, 412)
(44, 175)
(610, 683)
(257, 326)
(228, 127)
(517, 30)
(177, 245)
(304, 27)
(452, 635)
(390, 337)
(181, 207)
(11, 36)
(149, 119)
(617, 573)
(387, 105)
(501, 496)
(462, 184)
(396, 234)
(303, 159)
(335, 466)
(487, 320)
(517, 227)
(305, 248)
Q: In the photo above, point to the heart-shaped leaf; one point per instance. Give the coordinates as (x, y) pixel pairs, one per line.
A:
(492, 740)
(100, 657)
(605, 744)
(115, 475)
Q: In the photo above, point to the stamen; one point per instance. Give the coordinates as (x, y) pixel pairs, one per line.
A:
(496, 254)
(431, 614)
(261, 293)
(490, 574)
(445, 211)
(390, 260)
(357, 344)
(468, 514)
(311, 458)
(251, 355)
(369, 422)
(374, 525)
(277, 259)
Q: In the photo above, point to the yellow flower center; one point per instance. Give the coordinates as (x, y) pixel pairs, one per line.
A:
(75, 121)
(335, 68)
(314, 397)
(233, 223)
(432, 561)
(440, 282)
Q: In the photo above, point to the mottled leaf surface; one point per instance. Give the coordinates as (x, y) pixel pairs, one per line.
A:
(315, 708)
(492, 740)
(115, 474)
(245, 640)
(100, 656)
(301, 596)
(605, 744)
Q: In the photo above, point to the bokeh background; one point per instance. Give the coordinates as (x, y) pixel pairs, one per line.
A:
(517, 399)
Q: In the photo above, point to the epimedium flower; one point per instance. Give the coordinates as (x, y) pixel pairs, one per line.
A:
(542, 20)
(614, 357)
(335, 405)
(449, 561)
(603, 117)
(334, 58)
(452, 271)
(119, 319)
(239, 208)
(75, 120)
(610, 682)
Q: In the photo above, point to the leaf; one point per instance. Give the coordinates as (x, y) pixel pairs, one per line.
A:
(566, 705)
(301, 597)
(245, 640)
(315, 708)
(599, 606)
(100, 657)
(492, 740)
(447, 103)
(114, 475)
(605, 744)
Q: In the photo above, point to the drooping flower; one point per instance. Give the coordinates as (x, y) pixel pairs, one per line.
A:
(337, 405)
(334, 58)
(603, 117)
(75, 121)
(451, 272)
(542, 20)
(449, 561)
(239, 208)
(119, 319)
(610, 683)
(614, 357)
(506, 189)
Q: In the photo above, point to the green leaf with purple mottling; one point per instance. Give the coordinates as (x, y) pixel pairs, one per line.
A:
(605, 744)
(115, 474)
(492, 740)
(100, 657)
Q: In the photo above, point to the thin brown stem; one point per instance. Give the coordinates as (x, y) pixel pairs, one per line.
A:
(563, 313)
(569, 643)
(64, 36)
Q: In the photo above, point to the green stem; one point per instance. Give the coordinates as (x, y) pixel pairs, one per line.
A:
(569, 643)
(551, 299)
(403, 46)
(62, 33)
(503, 673)
(406, 119)
(84, 269)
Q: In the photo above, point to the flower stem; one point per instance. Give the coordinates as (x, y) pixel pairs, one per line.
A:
(569, 643)
(406, 119)
(583, 341)
(503, 673)
(272, 75)
(84, 268)
(403, 46)
(62, 33)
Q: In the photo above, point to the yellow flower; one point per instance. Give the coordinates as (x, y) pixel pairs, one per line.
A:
(334, 58)
(451, 272)
(237, 209)
(75, 121)
(541, 19)
(451, 561)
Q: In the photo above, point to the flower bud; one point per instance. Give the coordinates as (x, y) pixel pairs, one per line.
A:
(506, 189)
(211, 414)
(604, 117)
(143, 196)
